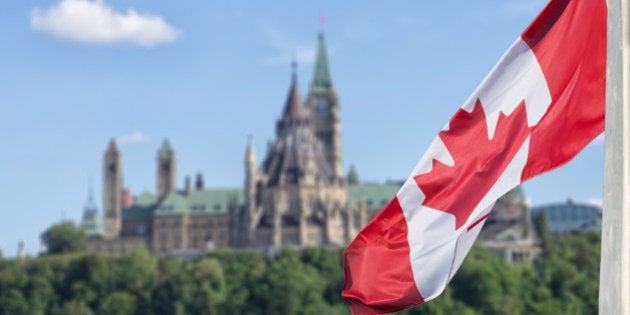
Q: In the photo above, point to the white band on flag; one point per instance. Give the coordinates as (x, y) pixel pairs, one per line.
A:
(516, 78)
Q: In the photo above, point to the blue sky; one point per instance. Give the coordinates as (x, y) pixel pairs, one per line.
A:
(206, 74)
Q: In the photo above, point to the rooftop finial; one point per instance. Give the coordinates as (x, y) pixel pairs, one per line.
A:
(90, 202)
(294, 69)
(322, 19)
(322, 22)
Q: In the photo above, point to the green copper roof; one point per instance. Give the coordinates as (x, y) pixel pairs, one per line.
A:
(165, 149)
(217, 201)
(321, 78)
(145, 199)
(143, 206)
(376, 195)
(198, 202)
(91, 223)
(515, 195)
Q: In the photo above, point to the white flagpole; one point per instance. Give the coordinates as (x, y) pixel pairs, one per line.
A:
(614, 281)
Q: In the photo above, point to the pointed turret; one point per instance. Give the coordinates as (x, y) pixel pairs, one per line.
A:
(250, 175)
(293, 107)
(165, 169)
(90, 223)
(165, 150)
(250, 153)
(294, 115)
(287, 157)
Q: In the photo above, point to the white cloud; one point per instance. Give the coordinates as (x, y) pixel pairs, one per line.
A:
(95, 22)
(133, 137)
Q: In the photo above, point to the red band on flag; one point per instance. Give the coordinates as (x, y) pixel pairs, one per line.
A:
(386, 275)
(573, 67)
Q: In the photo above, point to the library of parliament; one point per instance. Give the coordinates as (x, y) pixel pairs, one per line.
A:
(296, 196)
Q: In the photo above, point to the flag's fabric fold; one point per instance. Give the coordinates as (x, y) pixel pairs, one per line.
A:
(540, 105)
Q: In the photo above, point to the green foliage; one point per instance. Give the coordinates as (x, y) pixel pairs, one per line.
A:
(118, 303)
(208, 289)
(541, 226)
(291, 287)
(563, 281)
(327, 261)
(75, 307)
(13, 302)
(353, 176)
(63, 237)
(243, 272)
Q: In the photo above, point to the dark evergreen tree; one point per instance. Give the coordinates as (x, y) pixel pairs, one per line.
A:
(63, 237)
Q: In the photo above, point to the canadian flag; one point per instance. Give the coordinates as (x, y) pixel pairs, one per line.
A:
(540, 105)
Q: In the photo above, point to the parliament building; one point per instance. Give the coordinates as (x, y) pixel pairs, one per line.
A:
(295, 196)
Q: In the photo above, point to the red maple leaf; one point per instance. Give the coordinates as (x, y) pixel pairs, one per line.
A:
(479, 161)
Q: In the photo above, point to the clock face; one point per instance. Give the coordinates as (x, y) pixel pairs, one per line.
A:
(321, 106)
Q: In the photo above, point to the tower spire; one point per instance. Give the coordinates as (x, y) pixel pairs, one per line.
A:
(322, 81)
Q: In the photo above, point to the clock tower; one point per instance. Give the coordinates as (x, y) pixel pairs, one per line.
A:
(324, 105)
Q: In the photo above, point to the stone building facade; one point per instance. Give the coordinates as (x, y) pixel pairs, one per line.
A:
(508, 231)
(296, 196)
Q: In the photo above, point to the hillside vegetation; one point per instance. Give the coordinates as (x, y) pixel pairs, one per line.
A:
(562, 280)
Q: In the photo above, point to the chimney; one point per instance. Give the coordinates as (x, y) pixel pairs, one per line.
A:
(187, 185)
(199, 182)
(127, 198)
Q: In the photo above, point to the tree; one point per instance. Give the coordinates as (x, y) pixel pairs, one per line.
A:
(137, 273)
(541, 225)
(329, 264)
(291, 287)
(63, 237)
(353, 176)
(207, 286)
(14, 303)
(243, 271)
